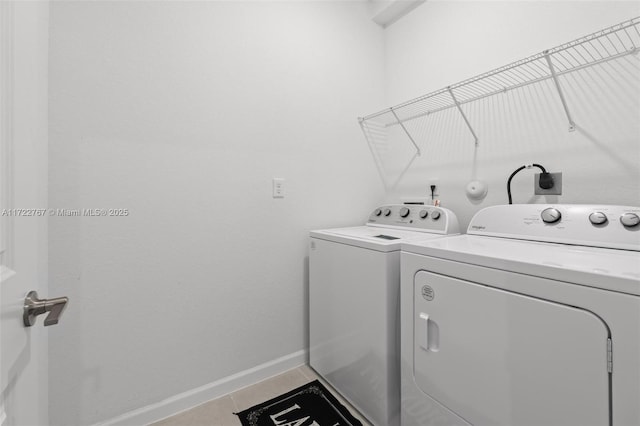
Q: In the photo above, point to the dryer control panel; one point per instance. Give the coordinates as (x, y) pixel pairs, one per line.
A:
(578, 224)
(415, 217)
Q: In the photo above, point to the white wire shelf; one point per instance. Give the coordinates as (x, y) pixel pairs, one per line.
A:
(602, 46)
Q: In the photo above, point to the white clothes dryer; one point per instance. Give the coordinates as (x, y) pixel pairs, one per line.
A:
(354, 304)
(532, 318)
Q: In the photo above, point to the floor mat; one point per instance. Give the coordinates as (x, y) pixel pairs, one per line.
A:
(311, 404)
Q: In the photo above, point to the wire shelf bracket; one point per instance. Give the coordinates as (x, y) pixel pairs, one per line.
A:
(376, 134)
(415, 145)
(554, 76)
(464, 117)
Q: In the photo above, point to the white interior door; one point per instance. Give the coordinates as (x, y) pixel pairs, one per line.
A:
(23, 232)
(499, 358)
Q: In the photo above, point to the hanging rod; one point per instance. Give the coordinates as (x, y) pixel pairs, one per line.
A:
(596, 48)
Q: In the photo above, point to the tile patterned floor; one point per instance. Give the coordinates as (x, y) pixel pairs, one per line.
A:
(219, 412)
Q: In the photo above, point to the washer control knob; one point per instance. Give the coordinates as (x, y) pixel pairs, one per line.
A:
(598, 218)
(551, 215)
(377, 212)
(629, 220)
(404, 212)
(386, 212)
(424, 214)
(435, 215)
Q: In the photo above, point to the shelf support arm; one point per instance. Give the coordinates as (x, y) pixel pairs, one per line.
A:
(464, 117)
(406, 131)
(554, 76)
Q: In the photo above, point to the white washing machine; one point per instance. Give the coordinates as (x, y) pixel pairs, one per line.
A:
(531, 319)
(354, 311)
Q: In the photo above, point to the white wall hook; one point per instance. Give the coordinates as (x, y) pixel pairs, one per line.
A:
(477, 189)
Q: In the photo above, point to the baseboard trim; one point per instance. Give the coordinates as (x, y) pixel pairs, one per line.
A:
(189, 399)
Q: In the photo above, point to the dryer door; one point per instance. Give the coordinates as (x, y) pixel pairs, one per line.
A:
(499, 358)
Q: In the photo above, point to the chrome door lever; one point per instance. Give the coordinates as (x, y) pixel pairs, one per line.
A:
(34, 307)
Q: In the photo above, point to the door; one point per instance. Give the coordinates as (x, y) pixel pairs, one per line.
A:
(23, 233)
(500, 358)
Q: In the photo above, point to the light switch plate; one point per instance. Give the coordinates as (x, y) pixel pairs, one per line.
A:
(278, 188)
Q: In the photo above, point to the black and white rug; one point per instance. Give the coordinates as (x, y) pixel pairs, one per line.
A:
(308, 405)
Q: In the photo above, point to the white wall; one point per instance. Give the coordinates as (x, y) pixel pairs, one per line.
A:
(182, 112)
(443, 42)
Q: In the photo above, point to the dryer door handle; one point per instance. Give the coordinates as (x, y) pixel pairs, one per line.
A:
(428, 333)
(423, 331)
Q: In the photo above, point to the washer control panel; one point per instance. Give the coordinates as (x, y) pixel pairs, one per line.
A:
(416, 217)
(588, 225)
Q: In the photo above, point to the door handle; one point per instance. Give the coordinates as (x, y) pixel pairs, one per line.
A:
(423, 330)
(34, 307)
(428, 333)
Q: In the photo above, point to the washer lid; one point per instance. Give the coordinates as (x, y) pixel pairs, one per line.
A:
(609, 269)
(373, 237)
